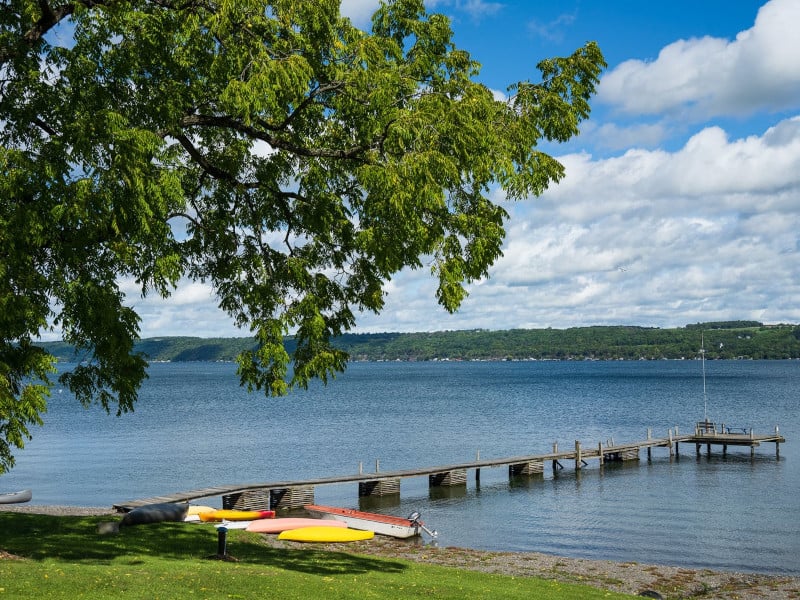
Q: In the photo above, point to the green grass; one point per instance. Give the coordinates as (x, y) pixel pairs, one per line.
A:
(65, 557)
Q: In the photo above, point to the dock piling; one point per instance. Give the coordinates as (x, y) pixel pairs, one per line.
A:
(555, 461)
(671, 454)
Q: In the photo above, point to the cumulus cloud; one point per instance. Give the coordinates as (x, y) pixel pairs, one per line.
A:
(191, 310)
(707, 76)
(615, 137)
(708, 166)
(359, 11)
(707, 227)
(652, 238)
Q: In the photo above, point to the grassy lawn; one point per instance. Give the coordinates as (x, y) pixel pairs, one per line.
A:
(65, 557)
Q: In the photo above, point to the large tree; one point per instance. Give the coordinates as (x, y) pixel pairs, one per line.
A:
(269, 148)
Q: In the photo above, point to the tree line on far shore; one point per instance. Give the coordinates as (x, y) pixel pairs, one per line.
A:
(721, 340)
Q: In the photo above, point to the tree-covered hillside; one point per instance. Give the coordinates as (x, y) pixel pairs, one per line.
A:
(729, 340)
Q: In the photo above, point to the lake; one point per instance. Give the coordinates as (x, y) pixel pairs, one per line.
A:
(194, 427)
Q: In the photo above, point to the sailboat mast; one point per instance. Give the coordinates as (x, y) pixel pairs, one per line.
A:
(703, 361)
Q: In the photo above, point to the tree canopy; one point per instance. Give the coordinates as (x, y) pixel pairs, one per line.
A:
(269, 148)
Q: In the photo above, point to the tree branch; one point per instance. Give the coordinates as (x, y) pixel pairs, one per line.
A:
(320, 89)
(206, 165)
(274, 141)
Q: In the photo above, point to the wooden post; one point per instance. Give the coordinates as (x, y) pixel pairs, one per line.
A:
(600, 452)
(360, 467)
(578, 458)
(377, 465)
(478, 469)
(670, 444)
(555, 451)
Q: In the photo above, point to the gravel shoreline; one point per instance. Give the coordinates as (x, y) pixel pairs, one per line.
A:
(628, 577)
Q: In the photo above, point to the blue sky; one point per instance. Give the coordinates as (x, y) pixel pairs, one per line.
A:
(681, 201)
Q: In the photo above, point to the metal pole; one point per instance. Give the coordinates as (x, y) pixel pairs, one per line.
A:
(222, 541)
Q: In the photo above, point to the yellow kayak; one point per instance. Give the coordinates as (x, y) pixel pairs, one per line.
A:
(236, 515)
(325, 534)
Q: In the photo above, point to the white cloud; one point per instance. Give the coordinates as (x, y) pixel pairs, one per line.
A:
(553, 30)
(708, 232)
(499, 96)
(612, 136)
(706, 76)
(191, 310)
(708, 165)
(359, 11)
(476, 9)
(262, 149)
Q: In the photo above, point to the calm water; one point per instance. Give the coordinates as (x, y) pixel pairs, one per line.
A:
(194, 427)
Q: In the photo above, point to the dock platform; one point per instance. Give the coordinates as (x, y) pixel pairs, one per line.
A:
(278, 495)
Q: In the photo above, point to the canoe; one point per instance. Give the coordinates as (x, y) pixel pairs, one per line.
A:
(16, 497)
(288, 523)
(236, 515)
(325, 534)
(382, 524)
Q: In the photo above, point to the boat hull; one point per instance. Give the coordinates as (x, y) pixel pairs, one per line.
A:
(236, 515)
(289, 523)
(325, 534)
(388, 525)
(16, 497)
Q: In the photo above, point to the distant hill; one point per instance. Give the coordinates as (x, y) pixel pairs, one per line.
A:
(171, 349)
(729, 340)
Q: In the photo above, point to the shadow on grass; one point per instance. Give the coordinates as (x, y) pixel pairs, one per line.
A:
(76, 540)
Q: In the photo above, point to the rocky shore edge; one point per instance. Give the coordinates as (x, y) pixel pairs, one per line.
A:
(668, 582)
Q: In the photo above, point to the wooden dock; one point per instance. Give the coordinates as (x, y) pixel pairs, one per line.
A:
(279, 495)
